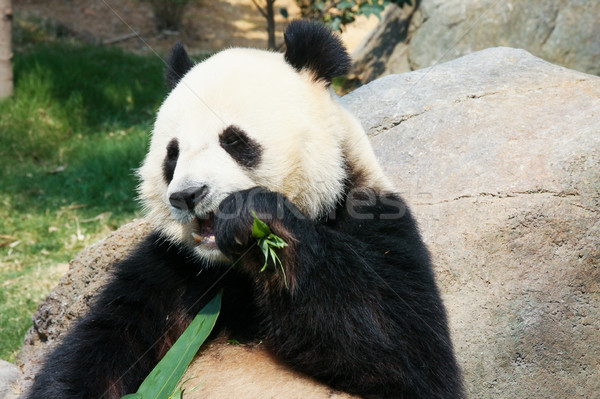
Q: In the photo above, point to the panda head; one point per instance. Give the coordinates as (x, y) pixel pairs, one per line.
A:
(246, 118)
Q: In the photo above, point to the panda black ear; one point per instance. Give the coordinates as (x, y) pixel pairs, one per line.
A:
(314, 47)
(179, 64)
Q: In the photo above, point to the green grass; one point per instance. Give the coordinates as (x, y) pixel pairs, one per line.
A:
(70, 140)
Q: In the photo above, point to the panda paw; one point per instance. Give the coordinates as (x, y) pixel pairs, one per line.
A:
(235, 219)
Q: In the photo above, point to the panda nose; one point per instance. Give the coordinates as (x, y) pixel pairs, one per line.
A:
(187, 199)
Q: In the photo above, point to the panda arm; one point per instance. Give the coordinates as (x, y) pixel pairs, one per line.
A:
(361, 311)
(133, 322)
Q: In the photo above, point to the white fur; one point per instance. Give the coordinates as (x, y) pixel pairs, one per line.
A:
(304, 133)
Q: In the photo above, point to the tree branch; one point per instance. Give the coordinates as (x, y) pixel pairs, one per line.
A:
(260, 9)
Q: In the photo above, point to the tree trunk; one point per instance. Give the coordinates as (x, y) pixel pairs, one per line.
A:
(270, 24)
(6, 71)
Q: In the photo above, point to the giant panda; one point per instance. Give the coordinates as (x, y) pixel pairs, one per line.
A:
(256, 131)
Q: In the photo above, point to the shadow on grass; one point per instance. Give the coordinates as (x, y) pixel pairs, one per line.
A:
(87, 107)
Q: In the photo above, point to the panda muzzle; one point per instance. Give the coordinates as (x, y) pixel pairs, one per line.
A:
(205, 229)
(187, 199)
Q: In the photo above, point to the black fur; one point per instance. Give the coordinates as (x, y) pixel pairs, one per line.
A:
(313, 46)
(241, 147)
(170, 161)
(360, 312)
(150, 301)
(179, 64)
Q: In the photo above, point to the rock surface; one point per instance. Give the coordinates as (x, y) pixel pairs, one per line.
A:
(563, 32)
(10, 377)
(498, 155)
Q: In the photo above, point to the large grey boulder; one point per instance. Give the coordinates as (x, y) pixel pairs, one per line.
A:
(498, 155)
(10, 377)
(563, 32)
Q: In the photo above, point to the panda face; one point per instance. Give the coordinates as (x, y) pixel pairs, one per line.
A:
(249, 118)
(241, 119)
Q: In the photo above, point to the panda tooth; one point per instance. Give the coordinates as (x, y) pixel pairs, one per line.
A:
(197, 237)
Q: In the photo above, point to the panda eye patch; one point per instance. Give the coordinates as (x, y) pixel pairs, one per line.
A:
(170, 160)
(244, 150)
(230, 138)
(173, 150)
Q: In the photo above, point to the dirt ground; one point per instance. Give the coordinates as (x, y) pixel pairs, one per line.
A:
(208, 25)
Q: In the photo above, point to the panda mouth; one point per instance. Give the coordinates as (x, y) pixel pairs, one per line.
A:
(203, 231)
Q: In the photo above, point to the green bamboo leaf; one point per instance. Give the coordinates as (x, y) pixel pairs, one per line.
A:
(276, 261)
(264, 247)
(178, 394)
(162, 380)
(259, 228)
(275, 241)
(267, 242)
(274, 257)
